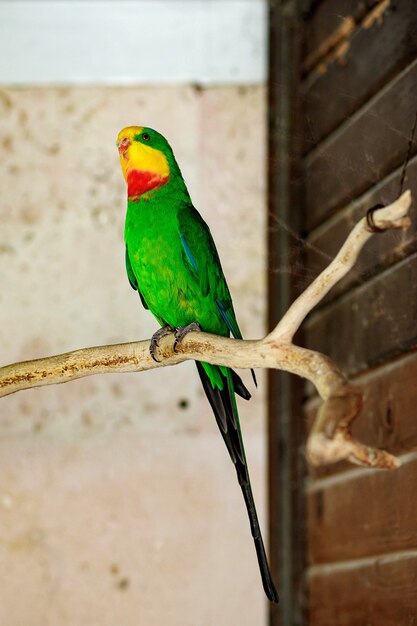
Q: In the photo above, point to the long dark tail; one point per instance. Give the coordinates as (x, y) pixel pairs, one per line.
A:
(223, 403)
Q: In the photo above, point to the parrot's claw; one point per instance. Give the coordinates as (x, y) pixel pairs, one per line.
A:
(182, 331)
(156, 337)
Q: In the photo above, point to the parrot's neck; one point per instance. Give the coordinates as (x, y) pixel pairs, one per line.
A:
(153, 210)
(146, 186)
(140, 182)
(156, 206)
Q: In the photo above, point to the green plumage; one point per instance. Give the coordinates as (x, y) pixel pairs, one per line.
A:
(172, 261)
(173, 290)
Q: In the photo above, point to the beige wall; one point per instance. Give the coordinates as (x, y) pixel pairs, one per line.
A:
(117, 504)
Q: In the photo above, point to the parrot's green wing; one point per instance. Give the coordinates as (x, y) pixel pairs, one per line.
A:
(132, 279)
(201, 257)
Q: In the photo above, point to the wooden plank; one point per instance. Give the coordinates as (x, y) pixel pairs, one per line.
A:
(380, 252)
(363, 512)
(331, 21)
(329, 24)
(286, 476)
(370, 56)
(388, 419)
(378, 592)
(366, 148)
(371, 324)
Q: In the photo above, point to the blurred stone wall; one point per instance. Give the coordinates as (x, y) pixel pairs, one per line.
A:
(118, 501)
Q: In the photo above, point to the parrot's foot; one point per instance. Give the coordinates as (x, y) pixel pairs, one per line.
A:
(156, 337)
(182, 331)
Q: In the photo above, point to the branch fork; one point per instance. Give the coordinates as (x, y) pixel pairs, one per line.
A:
(330, 439)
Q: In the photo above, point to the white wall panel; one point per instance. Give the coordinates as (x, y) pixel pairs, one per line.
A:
(132, 41)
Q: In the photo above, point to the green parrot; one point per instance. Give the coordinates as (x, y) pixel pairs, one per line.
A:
(172, 261)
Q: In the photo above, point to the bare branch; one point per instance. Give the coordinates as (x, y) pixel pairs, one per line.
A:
(330, 438)
(392, 216)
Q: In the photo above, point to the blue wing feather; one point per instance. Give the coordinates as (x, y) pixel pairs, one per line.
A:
(229, 319)
(189, 254)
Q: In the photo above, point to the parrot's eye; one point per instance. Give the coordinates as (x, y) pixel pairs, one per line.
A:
(146, 136)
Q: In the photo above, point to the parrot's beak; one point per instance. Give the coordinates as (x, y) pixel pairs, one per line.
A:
(123, 147)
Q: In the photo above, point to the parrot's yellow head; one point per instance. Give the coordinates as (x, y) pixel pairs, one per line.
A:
(144, 156)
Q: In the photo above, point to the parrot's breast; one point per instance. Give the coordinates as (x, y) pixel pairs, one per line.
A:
(165, 279)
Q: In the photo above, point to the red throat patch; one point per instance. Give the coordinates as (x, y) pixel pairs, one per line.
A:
(139, 182)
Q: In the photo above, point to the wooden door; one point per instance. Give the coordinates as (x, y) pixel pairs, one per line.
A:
(344, 539)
